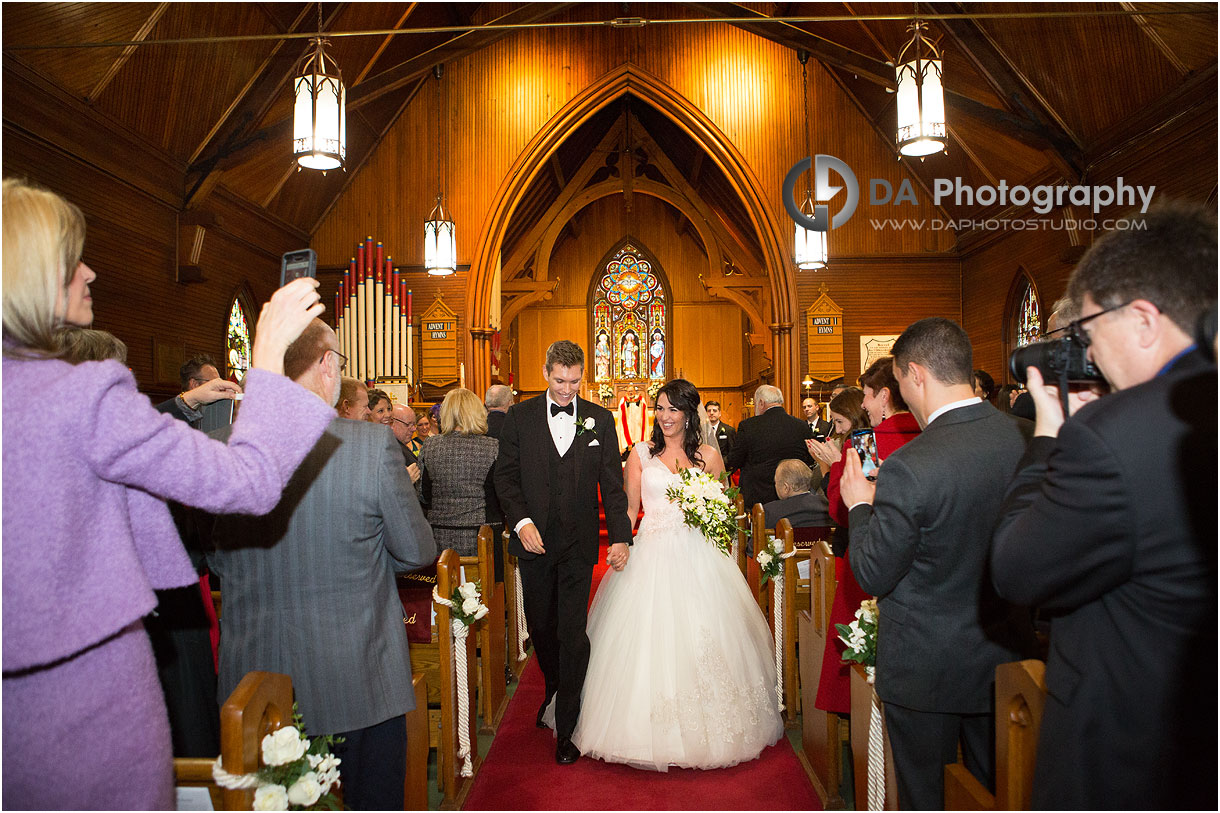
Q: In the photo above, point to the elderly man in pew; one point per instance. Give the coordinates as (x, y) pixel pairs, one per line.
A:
(309, 589)
(1112, 528)
(798, 502)
(920, 537)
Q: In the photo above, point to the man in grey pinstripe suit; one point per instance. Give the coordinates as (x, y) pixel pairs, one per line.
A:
(309, 590)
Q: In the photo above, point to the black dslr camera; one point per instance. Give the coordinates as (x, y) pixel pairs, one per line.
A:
(1064, 359)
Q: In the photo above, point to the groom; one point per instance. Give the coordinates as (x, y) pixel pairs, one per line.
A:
(556, 450)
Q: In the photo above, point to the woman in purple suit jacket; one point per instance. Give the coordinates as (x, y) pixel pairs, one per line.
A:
(87, 533)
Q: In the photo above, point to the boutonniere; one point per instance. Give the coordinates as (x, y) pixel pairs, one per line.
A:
(588, 426)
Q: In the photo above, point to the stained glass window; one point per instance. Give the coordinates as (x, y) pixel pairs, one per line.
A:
(238, 344)
(630, 320)
(1029, 322)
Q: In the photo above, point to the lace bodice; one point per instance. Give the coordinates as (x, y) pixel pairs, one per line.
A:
(655, 478)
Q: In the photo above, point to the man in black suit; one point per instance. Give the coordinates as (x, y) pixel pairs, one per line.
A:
(919, 542)
(818, 426)
(556, 451)
(725, 434)
(1110, 524)
(797, 503)
(770, 436)
(402, 424)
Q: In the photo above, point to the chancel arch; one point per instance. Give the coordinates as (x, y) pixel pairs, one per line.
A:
(779, 306)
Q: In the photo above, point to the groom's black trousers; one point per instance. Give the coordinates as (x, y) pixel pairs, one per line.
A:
(556, 593)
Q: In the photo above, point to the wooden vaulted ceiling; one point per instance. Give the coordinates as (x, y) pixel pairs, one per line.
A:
(1030, 99)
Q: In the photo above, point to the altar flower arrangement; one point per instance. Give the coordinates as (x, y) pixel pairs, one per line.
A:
(770, 559)
(706, 506)
(468, 606)
(297, 774)
(860, 636)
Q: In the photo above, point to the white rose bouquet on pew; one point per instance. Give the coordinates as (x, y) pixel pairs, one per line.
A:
(860, 636)
(770, 559)
(706, 506)
(468, 606)
(297, 773)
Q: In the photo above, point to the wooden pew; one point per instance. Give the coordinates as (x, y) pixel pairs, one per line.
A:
(758, 536)
(261, 703)
(861, 703)
(1020, 691)
(743, 529)
(787, 623)
(489, 634)
(821, 731)
(452, 784)
(415, 787)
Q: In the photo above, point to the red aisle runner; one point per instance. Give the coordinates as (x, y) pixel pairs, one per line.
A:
(520, 772)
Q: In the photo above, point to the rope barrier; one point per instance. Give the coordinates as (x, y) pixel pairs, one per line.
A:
(876, 752)
(233, 781)
(741, 520)
(519, 608)
(777, 626)
(460, 631)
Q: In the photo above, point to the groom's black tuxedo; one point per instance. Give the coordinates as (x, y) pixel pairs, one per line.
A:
(559, 494)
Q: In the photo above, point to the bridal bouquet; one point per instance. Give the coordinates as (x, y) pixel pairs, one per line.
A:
(297, 773)
(860, 636)
(706, 507)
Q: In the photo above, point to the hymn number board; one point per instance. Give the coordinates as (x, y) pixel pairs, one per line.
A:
(824, 335)
(438, 345)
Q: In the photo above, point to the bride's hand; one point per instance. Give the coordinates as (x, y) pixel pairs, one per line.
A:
(617, 555)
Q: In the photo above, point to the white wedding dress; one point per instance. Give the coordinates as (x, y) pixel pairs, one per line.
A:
(682, 670)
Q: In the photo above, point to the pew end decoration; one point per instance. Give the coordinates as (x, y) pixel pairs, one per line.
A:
(860, 636)
(296, 773)
(771, 558)
(465, 606)
(706, 507)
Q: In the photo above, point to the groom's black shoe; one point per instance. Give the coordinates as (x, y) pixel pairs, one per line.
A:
(566, 753)
(541, 711)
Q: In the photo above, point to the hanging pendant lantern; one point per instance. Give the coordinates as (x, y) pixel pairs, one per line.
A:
(811, 249)
(319, 121)
(440, 242)
(921, 96)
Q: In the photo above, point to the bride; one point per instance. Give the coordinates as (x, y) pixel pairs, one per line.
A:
(681, 671)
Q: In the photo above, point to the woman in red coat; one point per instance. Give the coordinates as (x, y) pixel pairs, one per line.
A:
(893, 426)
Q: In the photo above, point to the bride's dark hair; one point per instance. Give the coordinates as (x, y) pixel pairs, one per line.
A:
(682, 394)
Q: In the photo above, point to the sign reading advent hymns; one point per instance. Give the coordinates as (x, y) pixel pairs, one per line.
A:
(824, 337)
(438, 337)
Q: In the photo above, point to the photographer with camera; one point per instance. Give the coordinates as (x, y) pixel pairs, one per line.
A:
(1113, 528)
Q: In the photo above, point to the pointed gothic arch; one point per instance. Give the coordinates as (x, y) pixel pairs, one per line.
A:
(628, 78)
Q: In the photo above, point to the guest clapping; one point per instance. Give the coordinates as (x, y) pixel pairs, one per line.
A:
(457, 472)
(87, 534)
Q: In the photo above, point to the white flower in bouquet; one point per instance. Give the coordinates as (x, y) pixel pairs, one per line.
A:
(327, 770)
(271, 797)
(469, 590)
(305, 791)
(482, 611)
(763, 558)
(283, 745)
(470, 605)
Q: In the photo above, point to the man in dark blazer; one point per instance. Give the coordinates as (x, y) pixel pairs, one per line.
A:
(770, 436)
(309, 590)
(1111, 527)
(725, 434)
(797, 502)
(556, 451)
(919, 542)
(497, 400)
(817, 425)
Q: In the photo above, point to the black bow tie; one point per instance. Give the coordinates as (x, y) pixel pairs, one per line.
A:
(556, 409)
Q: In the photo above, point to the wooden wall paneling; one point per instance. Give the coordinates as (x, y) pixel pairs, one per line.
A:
(536, 329)
(882, 295)
(707, 344)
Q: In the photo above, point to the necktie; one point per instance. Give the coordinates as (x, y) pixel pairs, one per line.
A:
(556, 409)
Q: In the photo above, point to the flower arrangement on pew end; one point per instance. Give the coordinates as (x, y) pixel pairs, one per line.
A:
(468, 606)
(706, 506)
(770, 559)
(297, 774)
(860, 636)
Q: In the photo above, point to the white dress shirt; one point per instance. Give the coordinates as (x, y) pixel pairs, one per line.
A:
(965, 402)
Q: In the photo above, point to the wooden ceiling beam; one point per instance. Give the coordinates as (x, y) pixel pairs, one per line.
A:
(125, 54)
(455, 47)
(385, 43)
(1011, 85)
(1157, 39)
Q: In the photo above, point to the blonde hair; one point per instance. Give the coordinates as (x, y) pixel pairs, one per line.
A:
(44, 237)
(463, 412)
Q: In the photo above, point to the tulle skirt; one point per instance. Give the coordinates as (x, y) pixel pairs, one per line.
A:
(681, 671)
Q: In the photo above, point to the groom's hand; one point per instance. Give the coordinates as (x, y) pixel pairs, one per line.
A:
(531, 540)
(617, 556)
